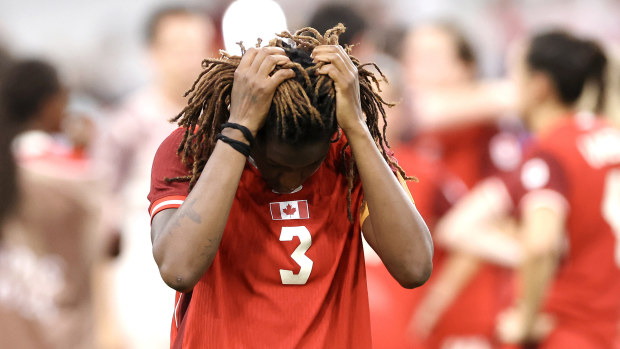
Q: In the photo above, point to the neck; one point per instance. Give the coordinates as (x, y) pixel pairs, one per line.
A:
(173, 94)
(544, 116)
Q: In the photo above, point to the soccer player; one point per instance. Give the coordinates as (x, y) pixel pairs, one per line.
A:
(566, 194)
(284, 163)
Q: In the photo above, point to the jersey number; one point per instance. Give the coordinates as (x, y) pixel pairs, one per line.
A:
(299, 256)
(611, 207)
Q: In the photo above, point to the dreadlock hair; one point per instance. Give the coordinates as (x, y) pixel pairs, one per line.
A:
(303, 108)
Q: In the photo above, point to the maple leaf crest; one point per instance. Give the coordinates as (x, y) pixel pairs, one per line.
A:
(289, 210)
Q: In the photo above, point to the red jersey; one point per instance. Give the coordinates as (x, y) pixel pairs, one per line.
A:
(579, 159)
(289, 271)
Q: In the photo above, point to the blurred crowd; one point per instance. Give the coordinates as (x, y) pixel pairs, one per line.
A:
(79, 128)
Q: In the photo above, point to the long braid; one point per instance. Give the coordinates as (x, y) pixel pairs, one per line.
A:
(302, 108)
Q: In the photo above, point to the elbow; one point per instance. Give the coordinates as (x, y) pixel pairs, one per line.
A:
(178, 280)
(175, 273)
(417, 275)
(418, 265)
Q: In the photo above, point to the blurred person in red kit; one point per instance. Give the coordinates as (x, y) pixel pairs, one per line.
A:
(566, 197)
(49, 243)
(178, 38)
(453, 125)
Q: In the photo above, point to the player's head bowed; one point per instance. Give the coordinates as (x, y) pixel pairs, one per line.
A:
(303, 109)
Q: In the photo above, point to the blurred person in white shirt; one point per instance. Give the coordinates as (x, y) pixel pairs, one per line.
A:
(178, 39)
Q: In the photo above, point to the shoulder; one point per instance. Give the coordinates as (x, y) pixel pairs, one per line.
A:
(168, 165)
(171, 143)
(167, 158)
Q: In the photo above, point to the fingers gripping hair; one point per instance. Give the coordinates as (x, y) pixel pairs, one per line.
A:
(303, 108)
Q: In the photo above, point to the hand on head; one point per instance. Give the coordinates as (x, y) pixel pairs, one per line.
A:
(339, 67)
(254, 85)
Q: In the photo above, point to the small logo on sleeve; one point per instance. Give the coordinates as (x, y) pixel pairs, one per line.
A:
(289, 210)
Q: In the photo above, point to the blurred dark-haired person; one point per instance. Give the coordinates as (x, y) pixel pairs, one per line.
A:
(362, 35)
(7, 171)
(566, 196)
(329, 15)
(178, 38)
(49, 239)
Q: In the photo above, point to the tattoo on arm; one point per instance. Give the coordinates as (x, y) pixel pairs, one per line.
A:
(188, 211)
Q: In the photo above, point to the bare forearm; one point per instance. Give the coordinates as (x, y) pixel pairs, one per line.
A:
(478, 225)
(542, 227)
(456, 274)
(478, 102)
(486, 241)
(453, 278)
(400, 236)
(536, 272)
(186, 246)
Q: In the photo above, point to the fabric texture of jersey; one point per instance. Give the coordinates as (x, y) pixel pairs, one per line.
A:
(579, 159)
(241, 301)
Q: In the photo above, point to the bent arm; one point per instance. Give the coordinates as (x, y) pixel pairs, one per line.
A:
(463, 105)
(478, 225)
(185, 240)
(394, 229)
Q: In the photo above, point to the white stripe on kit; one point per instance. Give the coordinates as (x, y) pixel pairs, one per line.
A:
(167, 202)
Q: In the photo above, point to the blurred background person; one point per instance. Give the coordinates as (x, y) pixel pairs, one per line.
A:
(19, 328)
(49, 239)
(7, 170)
(452, 113)
(463, 137)
(178, 39)
(567, 228)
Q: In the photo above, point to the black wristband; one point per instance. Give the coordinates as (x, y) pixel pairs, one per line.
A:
(246, 132)
(235, 144)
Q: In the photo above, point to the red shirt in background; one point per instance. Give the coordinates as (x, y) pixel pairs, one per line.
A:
(579, 161)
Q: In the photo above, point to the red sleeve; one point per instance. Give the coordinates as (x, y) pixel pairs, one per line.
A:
(167, 164)
(539, 170)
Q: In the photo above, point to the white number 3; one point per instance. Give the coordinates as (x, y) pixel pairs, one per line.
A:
(299, 256)
(611, 207)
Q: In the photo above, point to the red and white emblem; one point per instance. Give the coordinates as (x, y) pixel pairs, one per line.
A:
(289, 210)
